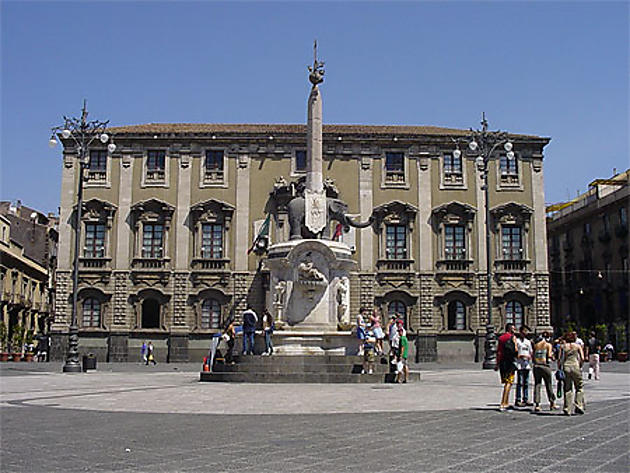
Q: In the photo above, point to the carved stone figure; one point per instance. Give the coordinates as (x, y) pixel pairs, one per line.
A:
(343, 297)
(280, 289)
(307, 272)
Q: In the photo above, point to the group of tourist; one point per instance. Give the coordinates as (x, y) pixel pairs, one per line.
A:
(517, 356)
(371, 338)
(147, 353)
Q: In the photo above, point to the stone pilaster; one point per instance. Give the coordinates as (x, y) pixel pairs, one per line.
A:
(367, 290)
(539, 227)
(241, 226)
(63, 306)
(121, 288)
(543, 320)
(425, 234)
(366, 205)
(180, 294)
(68, 198)
(482, 302)
(123, 230)
(240, 292)
(426, 302)
(182, 232)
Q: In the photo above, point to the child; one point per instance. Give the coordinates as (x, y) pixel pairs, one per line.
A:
(369, 356)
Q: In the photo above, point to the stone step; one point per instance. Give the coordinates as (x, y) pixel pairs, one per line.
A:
(293, 368)
(317, 378)
(288, 360)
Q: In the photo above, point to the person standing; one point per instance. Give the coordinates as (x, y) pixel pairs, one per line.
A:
(572, 360)
(361, 329)
(523, 364)
(143, 352)
(378, 330)
(542, 371)
(250, 319)
(403, 366)
(610, 351)
(267, 322)
(593, 347)
(369, 357)
(150, 354)
(229, 335)
(506, 358)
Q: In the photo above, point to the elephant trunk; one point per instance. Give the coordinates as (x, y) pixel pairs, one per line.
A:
(350, 221)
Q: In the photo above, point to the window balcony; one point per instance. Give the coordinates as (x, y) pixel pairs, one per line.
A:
(213, 177)
(402, 265)
(454, 265)
(94, 263)
(155, 176)
(150, 263)
(96, 176)
(511, 266)
(210, 264)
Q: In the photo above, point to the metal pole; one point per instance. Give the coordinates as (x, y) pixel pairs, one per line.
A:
(72, 361)
(490, 359)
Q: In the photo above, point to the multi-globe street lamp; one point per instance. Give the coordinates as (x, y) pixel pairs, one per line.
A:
(83, 133)
(484, 143)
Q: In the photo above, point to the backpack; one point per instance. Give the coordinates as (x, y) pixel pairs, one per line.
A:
(509, 350)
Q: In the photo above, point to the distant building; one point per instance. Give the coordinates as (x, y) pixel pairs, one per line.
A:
(169, 217)
(28, 249)
(588, 255)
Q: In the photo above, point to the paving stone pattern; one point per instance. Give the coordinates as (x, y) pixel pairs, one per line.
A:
(47, 439)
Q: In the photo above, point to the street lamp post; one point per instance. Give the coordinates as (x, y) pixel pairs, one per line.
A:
(83, 133)
(485, 143)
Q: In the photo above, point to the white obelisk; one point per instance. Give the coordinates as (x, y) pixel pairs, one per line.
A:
(314, 194)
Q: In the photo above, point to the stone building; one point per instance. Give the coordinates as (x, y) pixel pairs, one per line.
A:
(169, 217)
(28, 242)
(588, 254)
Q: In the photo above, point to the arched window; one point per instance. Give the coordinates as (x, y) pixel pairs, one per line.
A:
(210, 314)
(91, 312)
(456, 315)
(150, 313)
(398, 307)
(514, 313)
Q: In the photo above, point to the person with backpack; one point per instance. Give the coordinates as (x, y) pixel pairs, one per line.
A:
(506, 357)
(250, 319)
(267, 322)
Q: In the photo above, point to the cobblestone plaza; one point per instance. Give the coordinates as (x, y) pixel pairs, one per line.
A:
(127, 417)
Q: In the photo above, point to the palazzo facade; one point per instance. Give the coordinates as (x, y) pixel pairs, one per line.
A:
(168, 220)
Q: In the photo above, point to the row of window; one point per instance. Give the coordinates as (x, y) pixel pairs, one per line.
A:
(396, 247)
(622, 220)
(213, 169)
(211, 313)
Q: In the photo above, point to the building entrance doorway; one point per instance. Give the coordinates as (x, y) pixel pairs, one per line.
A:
(150, 313)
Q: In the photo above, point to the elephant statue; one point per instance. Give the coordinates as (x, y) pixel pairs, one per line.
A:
(336, 209)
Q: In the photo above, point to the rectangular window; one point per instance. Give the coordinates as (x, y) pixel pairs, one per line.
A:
(623, 217)
(587, 229)
(512, 242)
(454, 242)
(152, 240)
(606, 223)
(94, 240)
(452, 169)
(97, 167)
(508, 166)
(156, 165)
(395, 168)
(396, 242)
(212, 241)
(300, 160)
(214, 166)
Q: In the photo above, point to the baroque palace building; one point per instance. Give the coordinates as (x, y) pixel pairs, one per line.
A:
(588, 252)
(168, 220)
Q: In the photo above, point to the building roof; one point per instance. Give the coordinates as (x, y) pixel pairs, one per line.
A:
(203, 128)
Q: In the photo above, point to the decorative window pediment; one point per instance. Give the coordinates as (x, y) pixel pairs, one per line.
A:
(96, 210)
(212, 210)
(511, 213)
(152, 210)
(395, 213)
(454, 213)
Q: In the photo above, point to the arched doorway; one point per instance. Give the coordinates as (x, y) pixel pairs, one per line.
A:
(150, 313)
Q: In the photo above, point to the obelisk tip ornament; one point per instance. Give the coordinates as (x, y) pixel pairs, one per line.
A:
(316, 75)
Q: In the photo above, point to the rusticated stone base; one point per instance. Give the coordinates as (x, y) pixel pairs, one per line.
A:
(118, 348)
(58, 346)
(426, 348)
(177, 348)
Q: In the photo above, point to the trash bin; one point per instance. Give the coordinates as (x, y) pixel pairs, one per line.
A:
(89, 362)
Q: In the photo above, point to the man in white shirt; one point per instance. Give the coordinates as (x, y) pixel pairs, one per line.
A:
(524, 353)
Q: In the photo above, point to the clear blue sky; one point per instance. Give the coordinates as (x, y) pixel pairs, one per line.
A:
(546, 68)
